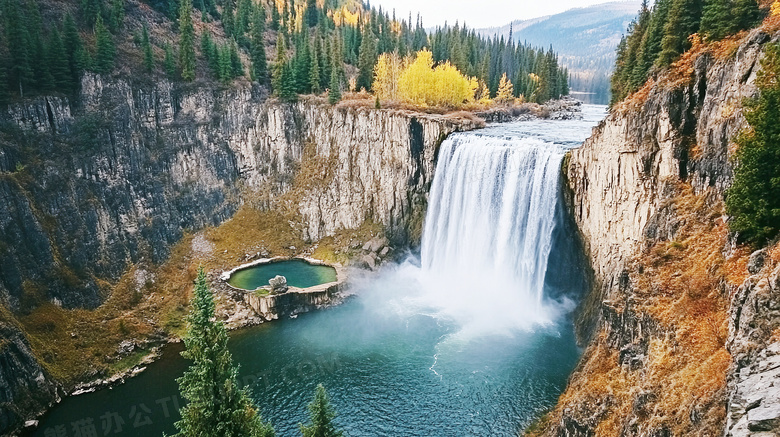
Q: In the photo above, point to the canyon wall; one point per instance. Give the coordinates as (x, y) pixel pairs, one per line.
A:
(629, 184)
(118, 175)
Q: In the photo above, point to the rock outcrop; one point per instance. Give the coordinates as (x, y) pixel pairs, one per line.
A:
(625, 183)
(754, 343)
(25, 388)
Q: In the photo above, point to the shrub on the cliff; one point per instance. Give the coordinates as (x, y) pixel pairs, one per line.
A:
(754, 199)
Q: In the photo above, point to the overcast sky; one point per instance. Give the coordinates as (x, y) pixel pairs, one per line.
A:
(479, 13)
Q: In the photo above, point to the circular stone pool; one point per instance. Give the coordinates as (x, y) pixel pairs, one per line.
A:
(299, 273)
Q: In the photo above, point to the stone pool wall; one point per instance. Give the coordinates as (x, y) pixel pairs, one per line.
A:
(295, 300)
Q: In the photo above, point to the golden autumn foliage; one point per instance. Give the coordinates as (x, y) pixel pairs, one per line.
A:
(345, 17)
(387, 72)
(420, 83)
(776, 8)
(483, 94)
(506, 92)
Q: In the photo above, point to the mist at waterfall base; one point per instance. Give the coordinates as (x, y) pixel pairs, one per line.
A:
(470, 336)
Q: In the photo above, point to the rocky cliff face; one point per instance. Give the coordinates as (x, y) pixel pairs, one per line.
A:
(646, 192)
(754, 343)
(116, 177)
(25, 388)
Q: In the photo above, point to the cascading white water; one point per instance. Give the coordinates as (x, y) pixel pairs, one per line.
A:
(489, 227)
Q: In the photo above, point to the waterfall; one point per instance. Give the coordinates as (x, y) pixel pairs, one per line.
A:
(489, 226)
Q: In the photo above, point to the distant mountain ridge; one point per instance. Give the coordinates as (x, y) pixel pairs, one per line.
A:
(585, 39)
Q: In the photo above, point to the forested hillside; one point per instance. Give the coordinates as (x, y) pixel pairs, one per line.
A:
(585, 39)
(294, 47)
(659, 35)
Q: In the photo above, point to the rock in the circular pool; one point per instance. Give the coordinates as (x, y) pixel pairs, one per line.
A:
(278, 284)
(30, 425)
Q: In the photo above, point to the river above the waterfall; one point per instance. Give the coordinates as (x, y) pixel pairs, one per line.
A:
(433, 346)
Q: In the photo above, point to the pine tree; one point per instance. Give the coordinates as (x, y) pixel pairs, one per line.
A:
(287, 92)
(284, 20)
(640, 30)
(211, 52)
(257, 51)
(652, 42)
(211, 7)
(90, 9)
(617, 85)
(74, 49)
(366, 60)
(673, 38)
(280, 64)
(746, 13)
(684, 20)
(302, 63)
(552, 76)
(624, 81)
(321, 415)
(753, 200)
(172, 9)
(146, 46)
(186, 41)
(243, 19)
(336, 73)
(58, 61)
(565, 82)
(334, 94)
(275, 18)
(288, 21)
(116, 15)
(5, 60)
(325, 63)
(716, 21)
(106, 51)
(225, 67)
(216, 406)
(170, 62)
(205, 44)
(312, 13)
(41, 74)
(228, 20)
(21, 72)
(236, 67)
(314, 72)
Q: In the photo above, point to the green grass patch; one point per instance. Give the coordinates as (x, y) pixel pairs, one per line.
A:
(129, 361)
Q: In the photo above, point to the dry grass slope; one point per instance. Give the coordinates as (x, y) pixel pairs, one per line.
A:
(683, 286)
